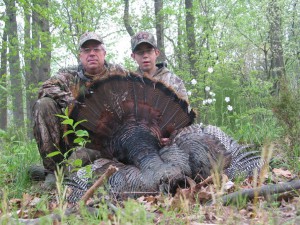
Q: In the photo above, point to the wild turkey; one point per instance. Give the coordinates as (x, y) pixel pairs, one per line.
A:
(127, 116)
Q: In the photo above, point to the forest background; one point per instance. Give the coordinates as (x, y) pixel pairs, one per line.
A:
(239, 59)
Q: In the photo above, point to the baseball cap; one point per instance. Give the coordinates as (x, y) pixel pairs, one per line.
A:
(87, 36)
(142, 37)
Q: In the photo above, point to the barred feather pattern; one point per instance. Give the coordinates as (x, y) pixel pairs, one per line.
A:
(206, 144)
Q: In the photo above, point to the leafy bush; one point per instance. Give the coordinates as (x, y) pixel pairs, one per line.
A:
(287, 109)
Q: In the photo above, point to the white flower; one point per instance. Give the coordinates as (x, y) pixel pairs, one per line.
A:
(212, 94)
(209, 100)
(194, 81)
(227, 99)
(189, 93)
(210, 69)
(230, 108)
(207, 88)
(214, 100)
(204, 102)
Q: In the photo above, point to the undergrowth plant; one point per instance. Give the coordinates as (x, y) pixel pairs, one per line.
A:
(81, 139)
(241, 107)
(16, 154)
(286, 107)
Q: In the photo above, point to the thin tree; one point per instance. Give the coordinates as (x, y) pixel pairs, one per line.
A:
(14, 64)
(191, 39)
(159, 24)
(3, 81)
(37, 52)
(275, 32)
(126, 19)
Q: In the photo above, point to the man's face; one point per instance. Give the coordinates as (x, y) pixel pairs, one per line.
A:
(92, 56)
(145, 55)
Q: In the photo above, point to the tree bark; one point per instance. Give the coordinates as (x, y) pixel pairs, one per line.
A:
(14, 64)
(126, 19)
(45, 44)
(267, 190)
(3, 74)
(27, 63)
(37, 55)
(159, 24)
(191, 39)
(275, 33)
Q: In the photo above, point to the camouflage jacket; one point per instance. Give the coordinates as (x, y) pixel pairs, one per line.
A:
(170, 79)
(70, 83)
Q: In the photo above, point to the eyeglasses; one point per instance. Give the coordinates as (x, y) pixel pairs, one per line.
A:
(142, 52)
(89, 50)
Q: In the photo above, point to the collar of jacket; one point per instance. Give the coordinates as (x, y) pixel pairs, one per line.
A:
(81, 72)
(159, 66)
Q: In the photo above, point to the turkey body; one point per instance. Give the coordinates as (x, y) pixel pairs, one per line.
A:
(127, 116)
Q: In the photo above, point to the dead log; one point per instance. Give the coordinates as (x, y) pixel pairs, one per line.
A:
(249, 194)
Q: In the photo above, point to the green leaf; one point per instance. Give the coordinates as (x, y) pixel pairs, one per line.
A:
(79, 140)
(3, 88)
(62, 116)
(2, 132)
(68, 121)
(77, 163)
(68, 132)
(53, 154)
(67, 112)
(82, 133)
(79, 122)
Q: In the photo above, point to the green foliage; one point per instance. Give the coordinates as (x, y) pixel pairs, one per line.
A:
(287, 109)
(133, 213)
(241, 106)
(81, 139)
(17, 152)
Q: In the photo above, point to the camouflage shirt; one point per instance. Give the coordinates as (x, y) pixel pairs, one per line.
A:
(69, 83)
(169, 79)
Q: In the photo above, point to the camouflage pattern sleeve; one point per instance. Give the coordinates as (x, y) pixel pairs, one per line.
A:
(58, 88)
(170, 79)
(182, 90)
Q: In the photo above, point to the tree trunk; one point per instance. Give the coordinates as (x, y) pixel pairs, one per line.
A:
(30, 82)
(3, 74)
(190, 32)
(275, 33)
(14, 65)
(180, 52)
(126, 19)
(159, 24)
(45, 44)
(37, 54)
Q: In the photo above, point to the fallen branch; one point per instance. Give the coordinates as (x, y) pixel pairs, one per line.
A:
(207, 181)
(89, 193)
(249, 194)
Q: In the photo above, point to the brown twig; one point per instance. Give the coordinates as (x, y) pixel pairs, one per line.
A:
(207, 181)
(266, 190)
(110, 171)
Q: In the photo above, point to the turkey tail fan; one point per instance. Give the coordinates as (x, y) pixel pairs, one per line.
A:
(243, 160)
(204, 143)
(244, 163)
(118, 98)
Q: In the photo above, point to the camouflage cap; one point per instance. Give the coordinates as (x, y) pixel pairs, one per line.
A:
(142, 37)
(87, 36)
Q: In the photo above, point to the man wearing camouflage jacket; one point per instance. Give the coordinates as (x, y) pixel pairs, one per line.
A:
(61, 91)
